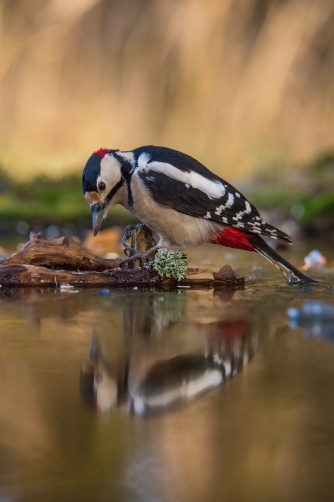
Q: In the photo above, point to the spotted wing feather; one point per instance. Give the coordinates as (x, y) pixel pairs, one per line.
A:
(233, 209)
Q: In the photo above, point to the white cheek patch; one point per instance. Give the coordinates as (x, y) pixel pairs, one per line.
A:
(213, 189)
(110, 172)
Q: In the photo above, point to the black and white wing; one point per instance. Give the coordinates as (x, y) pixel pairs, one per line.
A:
(179, 182)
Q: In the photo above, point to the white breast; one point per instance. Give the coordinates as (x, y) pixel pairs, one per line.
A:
(176, 229)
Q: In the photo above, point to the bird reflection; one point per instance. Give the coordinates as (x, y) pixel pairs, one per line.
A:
(164, 371)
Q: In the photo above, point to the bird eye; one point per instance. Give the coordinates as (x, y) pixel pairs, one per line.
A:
(102, 186)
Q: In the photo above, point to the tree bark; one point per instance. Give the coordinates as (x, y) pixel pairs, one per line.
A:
(63, 253)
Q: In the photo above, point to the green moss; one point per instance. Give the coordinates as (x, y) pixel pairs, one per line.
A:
(319, 205)
(170, 265)
(281, 188)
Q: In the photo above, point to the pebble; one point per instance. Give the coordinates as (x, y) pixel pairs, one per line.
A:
(315, 318)
(103, 292)
(312, 308)
(65, 286)
(111, 256)
(315, 259)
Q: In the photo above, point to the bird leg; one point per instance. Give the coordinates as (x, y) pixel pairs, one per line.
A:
(142, 255)
(128, 250)
(140, 240)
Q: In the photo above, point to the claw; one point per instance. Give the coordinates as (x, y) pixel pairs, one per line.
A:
(128, 250)
(131, 253)
(127, 234)
(139, 256)
(136, 256)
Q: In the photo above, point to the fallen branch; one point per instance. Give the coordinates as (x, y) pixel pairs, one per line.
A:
(31, 275)
(54, 262)
(59, 254)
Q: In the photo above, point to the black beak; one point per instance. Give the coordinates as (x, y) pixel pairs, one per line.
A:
(97, 214)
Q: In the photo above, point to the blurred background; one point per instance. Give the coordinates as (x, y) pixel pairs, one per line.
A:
(244, 86)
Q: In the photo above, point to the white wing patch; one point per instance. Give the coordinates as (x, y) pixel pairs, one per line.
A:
(213, 189)
(143, 159)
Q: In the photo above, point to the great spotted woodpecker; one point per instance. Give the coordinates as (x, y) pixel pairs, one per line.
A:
(181, 200)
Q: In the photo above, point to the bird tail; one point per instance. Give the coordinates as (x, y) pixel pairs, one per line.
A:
(278, 261)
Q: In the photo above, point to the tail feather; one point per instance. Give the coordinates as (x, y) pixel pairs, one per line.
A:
(278, 261)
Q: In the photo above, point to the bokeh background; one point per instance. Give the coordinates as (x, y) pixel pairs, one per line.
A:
(245, 86)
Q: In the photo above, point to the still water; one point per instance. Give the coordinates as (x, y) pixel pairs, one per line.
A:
(187, 395)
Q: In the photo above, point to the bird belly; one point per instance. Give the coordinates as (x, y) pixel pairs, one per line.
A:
(176, 229)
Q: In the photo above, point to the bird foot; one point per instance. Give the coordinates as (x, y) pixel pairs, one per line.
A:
(131, 253)
(128, 232)
(128, 250)
(138, 256)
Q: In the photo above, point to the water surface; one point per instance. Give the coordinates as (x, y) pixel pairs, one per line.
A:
(146, 395)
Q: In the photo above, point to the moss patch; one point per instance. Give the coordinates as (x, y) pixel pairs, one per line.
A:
(171, 265)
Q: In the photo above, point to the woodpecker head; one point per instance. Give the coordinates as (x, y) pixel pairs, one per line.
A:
(102, 178)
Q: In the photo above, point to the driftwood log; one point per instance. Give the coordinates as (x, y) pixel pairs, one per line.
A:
(61, 261)
(31, 275)
(59, 254)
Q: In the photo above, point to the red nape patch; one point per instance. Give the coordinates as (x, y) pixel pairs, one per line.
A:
(233, 238)
(102, 151)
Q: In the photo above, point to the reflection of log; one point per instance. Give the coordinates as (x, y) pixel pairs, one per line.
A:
(63, 253)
